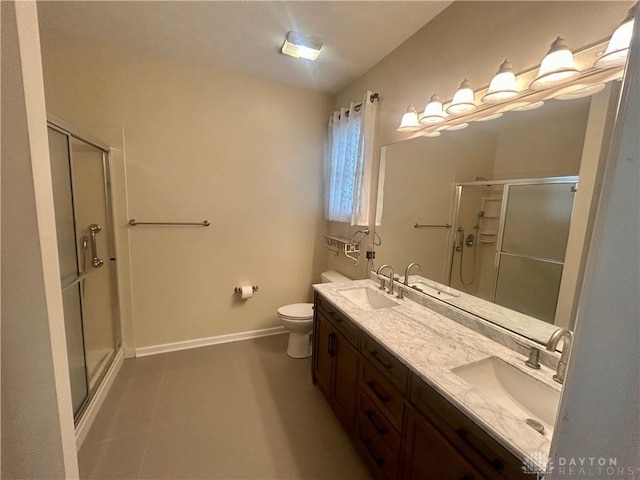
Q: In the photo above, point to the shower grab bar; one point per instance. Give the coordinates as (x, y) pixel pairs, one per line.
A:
(417, 225)
(205, 223)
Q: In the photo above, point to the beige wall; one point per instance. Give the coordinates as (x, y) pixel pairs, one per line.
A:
(471, 39)
(245, 154)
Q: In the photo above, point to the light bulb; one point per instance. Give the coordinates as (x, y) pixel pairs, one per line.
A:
(557, 67)
(409, 122)
(433, 112)
(503, 85)
(618, 47)
(463, 100)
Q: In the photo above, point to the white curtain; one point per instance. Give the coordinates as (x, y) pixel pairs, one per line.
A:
(348, 163)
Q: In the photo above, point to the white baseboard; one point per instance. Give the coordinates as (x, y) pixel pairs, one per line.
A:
(96, 402)
(204, 342)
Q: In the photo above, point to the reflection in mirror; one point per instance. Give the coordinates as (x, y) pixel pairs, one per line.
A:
(492, 213)
(511, 239)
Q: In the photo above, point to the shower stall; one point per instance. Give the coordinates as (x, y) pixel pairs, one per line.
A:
(82, 202)
(510, 239)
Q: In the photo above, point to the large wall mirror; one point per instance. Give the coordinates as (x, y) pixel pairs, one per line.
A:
(497, 214)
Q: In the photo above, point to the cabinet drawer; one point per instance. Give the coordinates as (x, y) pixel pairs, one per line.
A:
(382, 461)
(345, 326)
(383, 394)
(476, 445)
(386, 434)
(392, 368)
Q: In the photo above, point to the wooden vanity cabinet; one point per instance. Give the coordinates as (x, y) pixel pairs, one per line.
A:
(336, 360)
(377, 440)
(381, 409)
(402, 427)
(428, 455)
(474, 445)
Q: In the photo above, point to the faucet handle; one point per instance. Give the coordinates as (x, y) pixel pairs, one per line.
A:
(534, 356)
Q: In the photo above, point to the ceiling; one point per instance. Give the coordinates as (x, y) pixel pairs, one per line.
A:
(246, 36)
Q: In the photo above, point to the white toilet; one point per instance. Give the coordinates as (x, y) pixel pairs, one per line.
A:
(298, 319)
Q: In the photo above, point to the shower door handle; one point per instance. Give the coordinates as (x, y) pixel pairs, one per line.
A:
(95, 229)
(460, 244)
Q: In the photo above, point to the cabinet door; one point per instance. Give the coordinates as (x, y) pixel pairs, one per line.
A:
(323, 358)
(429, 456)
(345, 379)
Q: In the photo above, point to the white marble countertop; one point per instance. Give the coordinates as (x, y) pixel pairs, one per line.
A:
(431, 345)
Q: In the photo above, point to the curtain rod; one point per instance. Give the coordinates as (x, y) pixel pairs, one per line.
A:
(373, 97)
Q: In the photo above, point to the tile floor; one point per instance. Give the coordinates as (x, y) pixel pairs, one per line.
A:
(240, 410)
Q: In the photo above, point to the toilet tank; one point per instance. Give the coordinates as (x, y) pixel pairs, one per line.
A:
(333, 276)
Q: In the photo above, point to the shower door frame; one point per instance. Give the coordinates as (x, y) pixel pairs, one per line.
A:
(70, 131)
(506, 184)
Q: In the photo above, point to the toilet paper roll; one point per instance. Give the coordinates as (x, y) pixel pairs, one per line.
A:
(246, 292)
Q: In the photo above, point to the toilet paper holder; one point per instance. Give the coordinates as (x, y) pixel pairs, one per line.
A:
(239, 289)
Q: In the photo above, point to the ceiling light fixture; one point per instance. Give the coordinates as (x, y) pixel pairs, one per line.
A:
(557, 67)
(490, 117)
(503, 85)
(409, 122)
(299, 45)
(528, 106)
(463, 100)
(433, 112)
(618, 48)
(579, 91)
(432, 134)
(460, 126)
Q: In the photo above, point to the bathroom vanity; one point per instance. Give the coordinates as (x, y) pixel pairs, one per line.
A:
(410, 387)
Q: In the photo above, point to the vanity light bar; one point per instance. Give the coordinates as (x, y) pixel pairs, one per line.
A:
(554, 79)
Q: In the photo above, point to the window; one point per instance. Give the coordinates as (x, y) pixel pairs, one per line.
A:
(348, 163)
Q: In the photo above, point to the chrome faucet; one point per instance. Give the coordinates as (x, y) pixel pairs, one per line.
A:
(406, 272)
(391, 275)
(552, 344)
(400, 293)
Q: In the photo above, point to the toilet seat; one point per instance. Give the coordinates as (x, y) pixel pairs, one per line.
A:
(297, 311)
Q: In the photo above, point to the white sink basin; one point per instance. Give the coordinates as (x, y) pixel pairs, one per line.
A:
(367, 298)
(444, 294)
(513, 389)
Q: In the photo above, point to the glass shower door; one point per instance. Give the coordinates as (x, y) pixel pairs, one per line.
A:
(70, 270)
(532, 251)
(92, 221)
(87, 260)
